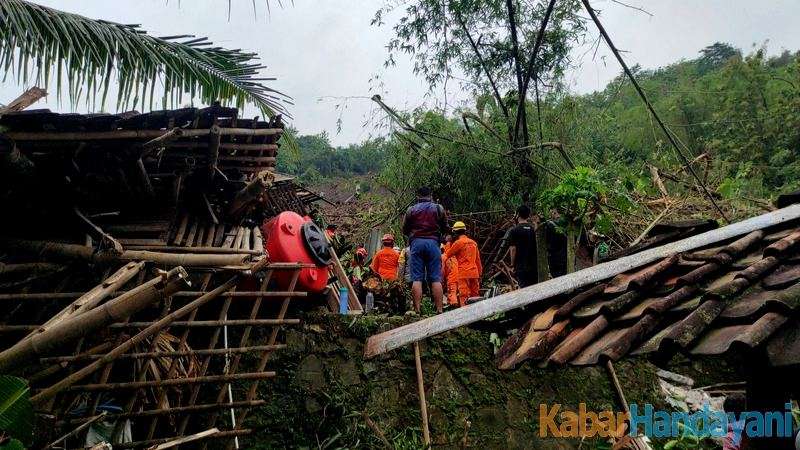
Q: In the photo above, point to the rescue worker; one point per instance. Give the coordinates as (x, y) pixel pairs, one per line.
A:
(424, 223)
(387, 260)
(522, 244)
(470, 269)
(450, 272)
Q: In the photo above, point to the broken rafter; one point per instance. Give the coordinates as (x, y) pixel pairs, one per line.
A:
(431, 326)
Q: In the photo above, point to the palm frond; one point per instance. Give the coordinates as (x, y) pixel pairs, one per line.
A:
(45, 43)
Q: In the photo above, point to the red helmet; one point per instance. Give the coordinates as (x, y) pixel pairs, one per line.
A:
(362, 252)
(388, 237)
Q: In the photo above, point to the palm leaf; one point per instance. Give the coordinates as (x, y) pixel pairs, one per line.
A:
(44, 43)
(16, 412)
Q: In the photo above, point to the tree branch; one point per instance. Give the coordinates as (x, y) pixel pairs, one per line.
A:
(521, 116)
(530, 72)
(485, 68)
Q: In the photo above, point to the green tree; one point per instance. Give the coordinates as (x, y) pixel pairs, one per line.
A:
(499, 45)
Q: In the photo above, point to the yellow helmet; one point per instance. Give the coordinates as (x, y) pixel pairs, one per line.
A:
(459, 226)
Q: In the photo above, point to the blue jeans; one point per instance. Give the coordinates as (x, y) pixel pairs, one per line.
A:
(426, 260)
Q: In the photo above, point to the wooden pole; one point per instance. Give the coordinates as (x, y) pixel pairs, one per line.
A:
(354, 305)
(97, 294)
(249, 194)
(423, 405)
(27, 98)
(212, 153)
(186, 439)
(77, 430)
(466, 315)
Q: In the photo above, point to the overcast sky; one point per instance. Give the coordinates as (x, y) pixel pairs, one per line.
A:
(326, 55)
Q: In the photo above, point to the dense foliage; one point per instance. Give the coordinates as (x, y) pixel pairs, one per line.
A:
(317, 158)
(737, 116)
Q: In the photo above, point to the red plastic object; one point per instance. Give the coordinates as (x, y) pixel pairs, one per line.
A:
(283, 239)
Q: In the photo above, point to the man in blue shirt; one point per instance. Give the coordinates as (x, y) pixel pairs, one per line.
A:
(423, 224)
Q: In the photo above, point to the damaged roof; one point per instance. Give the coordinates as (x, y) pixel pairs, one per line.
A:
(739, 297)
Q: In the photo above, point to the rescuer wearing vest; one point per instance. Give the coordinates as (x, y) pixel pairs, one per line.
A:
(424, 223)
(450, 272)
(470, 269)
(386, 260)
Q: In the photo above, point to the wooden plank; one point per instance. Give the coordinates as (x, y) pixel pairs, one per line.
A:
(27, 98)
(186, 439)
(354, 306)
(431, 326)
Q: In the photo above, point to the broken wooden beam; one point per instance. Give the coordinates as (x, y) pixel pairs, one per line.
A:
(27, 98)
(466, 315)
(249, 194)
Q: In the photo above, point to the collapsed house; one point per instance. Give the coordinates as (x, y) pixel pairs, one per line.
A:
(136, 291)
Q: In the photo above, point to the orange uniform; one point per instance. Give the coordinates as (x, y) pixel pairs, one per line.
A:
(470, 269)
(385, 263)
(450, 276)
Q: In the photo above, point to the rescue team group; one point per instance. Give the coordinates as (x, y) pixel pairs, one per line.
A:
(435, 255)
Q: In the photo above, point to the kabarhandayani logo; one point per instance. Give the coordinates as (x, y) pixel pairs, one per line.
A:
(554, 422)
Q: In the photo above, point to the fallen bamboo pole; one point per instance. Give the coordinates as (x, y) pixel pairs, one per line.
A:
(99, 387)
(151, 442)
(119, 308)
(132, 134)
(423, 404)
(195, 250)
(213, 323)
(69, 295)
(142, 335)
(186, 439)
(175, 354)
(249, 194)
(179, 410)
(77, 430)
(466, 315)
(57, 250)
(97, 294)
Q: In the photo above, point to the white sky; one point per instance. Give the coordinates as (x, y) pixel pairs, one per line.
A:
(325, 53)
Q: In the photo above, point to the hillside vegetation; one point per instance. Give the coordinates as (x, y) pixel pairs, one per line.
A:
(737, 117)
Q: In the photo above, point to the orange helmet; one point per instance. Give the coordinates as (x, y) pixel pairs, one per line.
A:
(388, 237)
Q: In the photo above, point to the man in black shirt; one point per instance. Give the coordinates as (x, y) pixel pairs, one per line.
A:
(522, 245)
